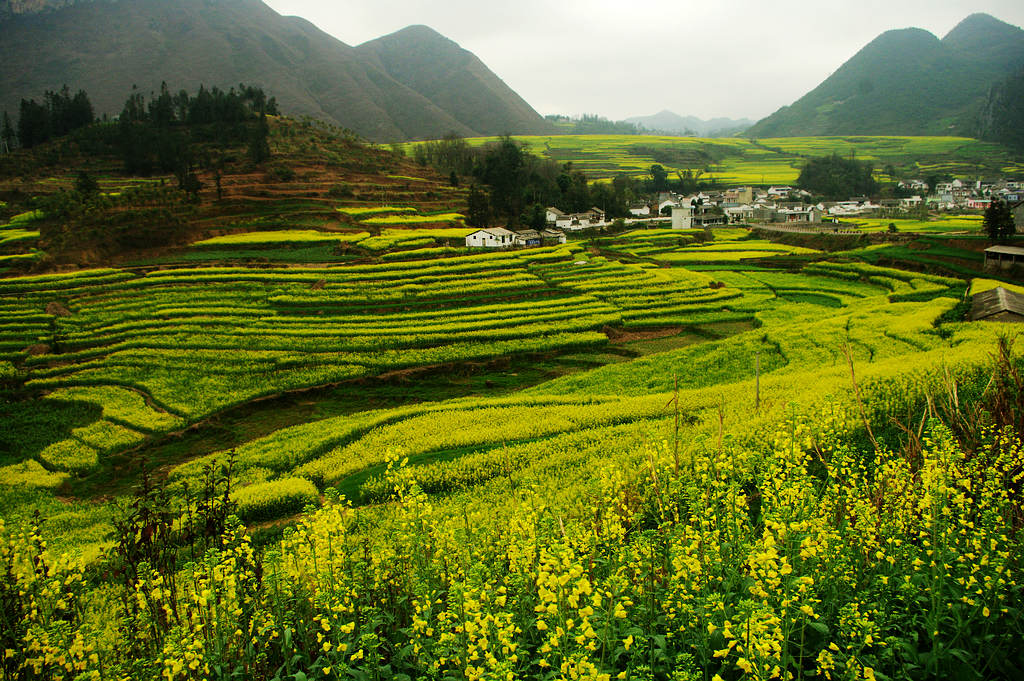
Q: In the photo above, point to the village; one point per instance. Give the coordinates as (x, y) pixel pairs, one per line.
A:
(781, 207)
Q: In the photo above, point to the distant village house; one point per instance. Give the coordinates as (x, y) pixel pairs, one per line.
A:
(492, 237)
(499, 237)
(595, 217)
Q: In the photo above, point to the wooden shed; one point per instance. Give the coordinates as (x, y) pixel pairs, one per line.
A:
(1004, 257)
(998, 305)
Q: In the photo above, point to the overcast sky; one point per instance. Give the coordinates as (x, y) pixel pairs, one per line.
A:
(616, 58)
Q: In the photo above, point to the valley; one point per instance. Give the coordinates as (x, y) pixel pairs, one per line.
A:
(338, 380)
(367, 395)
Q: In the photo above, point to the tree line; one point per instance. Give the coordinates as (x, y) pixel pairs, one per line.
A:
(161, 134)
(835, 177)
(59, 114)
(511, 186)
(154, 134)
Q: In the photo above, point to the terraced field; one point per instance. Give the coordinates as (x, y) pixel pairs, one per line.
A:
(767, 466)
(18, 240)
(769, 161)
(162, 349)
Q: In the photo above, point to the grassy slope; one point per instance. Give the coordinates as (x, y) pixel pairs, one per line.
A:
(770, 160)
(107, 48)
(907, 82)
(576, 470)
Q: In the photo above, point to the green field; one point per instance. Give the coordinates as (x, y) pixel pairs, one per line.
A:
(736, 161)
(969, 225)
(650, 455)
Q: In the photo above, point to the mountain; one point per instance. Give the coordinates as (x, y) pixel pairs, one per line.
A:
(907, 82)
(453, 79)
(1002, 116)
(383, 93)
(674, 124)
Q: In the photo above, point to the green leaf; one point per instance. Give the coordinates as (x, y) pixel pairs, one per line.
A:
(820, 627)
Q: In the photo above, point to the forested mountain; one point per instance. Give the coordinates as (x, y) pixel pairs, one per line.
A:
(907, 82)
(1002, 117)
(377, 90)
(453, 79)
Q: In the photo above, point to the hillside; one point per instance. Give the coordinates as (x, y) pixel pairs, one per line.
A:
(107, 47)
(1002, 116)
(317, 438)
(767, 161)
(451, 78)
(312, 176)
(907, 82)
(390, 488)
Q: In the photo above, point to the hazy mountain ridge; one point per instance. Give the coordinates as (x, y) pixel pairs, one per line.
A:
(452, 78)
(105, 47)
(907, 82)
(12, 7)
(672, 123)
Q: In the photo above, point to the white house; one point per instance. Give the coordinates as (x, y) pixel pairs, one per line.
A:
(579, 221)
(740, 214)
(640, 211)
(554, 235)
(667, 203)
(528, 238)
(553, 214)
(810, 214)
(564, 222)
(576, 222)
(682, 217)
(915, 185)
(492, 237)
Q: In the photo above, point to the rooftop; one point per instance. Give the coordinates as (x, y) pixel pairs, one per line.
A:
(1006, 250)
(996, 301)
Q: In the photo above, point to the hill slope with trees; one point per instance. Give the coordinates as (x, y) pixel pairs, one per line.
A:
(1002, 117)
(907, 82)
(107, 47)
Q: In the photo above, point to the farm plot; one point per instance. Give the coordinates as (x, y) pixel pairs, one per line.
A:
(954, 224)
(691, 247)
(284, 237)
(651, 297)
(169, 348)
(766, 161)
(732, 252)
(466, 442)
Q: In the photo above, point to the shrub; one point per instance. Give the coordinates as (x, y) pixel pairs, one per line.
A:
(275, 499)
(340, 191)
(280, 173)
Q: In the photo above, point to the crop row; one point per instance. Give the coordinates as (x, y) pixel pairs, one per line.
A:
(200, 322)
(196, 383)
(450, 429)
(284, 450)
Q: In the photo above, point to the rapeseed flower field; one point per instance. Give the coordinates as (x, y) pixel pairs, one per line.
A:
(827, 486)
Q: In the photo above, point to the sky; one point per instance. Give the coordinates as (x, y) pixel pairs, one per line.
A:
(615, 58)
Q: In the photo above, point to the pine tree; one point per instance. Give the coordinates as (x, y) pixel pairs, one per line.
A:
(259, 146)
(34, 125)
(998, 222)
(7, 133)
(479, 212)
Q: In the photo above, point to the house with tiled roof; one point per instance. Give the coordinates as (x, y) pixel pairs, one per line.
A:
(492, 237)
